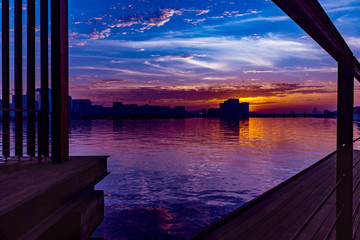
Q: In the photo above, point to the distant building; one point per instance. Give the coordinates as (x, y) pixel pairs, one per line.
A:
(232, 108)
(96, 109)
(329, 114)
(179, 111)
(165, 111)
(213, 112)
(81, 106)
(118, 109)
(118, 106)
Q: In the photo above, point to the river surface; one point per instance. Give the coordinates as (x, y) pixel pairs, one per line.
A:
(172, 177)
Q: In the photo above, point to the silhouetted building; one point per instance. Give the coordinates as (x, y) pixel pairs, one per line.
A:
(118, 109)
(118, 106)
(232, 108)
(81, 106)
(213, 112)
(329, 114)
(195, 113)
(179, 111)
(165, 111)
(97, 109)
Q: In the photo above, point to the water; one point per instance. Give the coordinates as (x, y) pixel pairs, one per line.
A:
(172, 177)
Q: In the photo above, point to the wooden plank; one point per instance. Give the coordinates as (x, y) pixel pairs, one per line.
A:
(86, 212)
(295, 207)
(250, 220)
(328, 222)
(30, 94)
(298, 210)
(59, 81)
(43, 147)
(14, 191)
(356, 198)
(18, 79)
(281, 214)
(5, 78)
(43, 189)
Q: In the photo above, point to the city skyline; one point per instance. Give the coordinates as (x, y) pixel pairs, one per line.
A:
(198, 54)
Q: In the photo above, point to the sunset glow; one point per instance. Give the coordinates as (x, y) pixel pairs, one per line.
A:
(199, 53)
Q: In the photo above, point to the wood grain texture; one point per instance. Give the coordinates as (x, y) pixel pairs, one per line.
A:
(280, 214)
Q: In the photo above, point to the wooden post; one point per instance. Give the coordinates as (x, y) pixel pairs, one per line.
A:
(31, 77)
(5, 78)
(44, 49)
(18, 79)
(345, 155)
(59, 81)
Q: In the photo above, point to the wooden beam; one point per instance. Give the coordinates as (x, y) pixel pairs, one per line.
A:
(312, 18)
(5, 78)
(30, 77)
(344, 163)
(59, 80)
(18, 79)
(44, 52)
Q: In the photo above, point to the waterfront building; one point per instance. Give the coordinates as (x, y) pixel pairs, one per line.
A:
(179, 111)
(232, 108)
(81, 106)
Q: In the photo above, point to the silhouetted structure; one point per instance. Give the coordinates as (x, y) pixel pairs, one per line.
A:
(232, 108)
(37, 200)
(81, 106)
(214, 112)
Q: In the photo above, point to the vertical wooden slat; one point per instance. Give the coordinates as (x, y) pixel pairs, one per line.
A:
(5, 78)
(31, 77)
(18, 79)
(345, 155)
(59, 81)
(44, 49)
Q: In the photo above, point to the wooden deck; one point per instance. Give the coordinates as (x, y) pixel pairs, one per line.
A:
(38, 200)
(280, 212)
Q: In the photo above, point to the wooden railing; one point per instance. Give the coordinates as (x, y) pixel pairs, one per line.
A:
(59, 76)
(35, 143)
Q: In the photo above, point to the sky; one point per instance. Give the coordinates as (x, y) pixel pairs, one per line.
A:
(200, 53)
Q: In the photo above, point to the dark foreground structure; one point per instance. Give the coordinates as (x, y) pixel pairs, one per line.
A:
(323, 202)
(51, 201)
(303, 207)
(44, 194)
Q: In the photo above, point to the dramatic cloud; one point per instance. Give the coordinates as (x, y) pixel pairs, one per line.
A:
(198, 53)
(213, 93)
